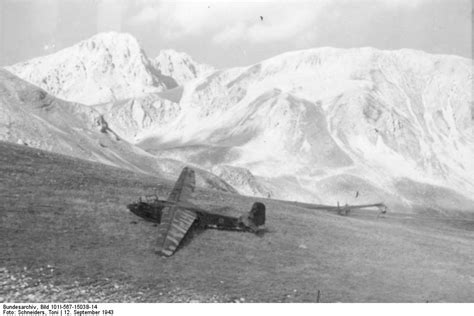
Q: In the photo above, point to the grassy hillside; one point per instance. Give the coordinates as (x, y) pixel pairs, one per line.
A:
(67, 236)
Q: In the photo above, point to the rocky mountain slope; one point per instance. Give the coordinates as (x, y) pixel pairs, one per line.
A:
(30, 116)
(326, 115)
(179, 66)
(132, 116)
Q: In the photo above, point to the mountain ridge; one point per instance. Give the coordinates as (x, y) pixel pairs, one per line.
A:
(108, 67)
(414, 110)
(311, 117)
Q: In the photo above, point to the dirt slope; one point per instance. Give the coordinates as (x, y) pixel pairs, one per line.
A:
(67, 236)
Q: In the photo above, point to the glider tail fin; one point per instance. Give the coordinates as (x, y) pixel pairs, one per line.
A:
(255, 218)
(257, 214)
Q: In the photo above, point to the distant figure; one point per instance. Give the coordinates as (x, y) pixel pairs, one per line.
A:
(383, 211)
(261, 18)
(346, 209)
(357, 194)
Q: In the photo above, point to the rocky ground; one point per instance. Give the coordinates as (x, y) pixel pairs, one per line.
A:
(41, 285)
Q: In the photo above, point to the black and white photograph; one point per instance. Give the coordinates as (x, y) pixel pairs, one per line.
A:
(158, 151)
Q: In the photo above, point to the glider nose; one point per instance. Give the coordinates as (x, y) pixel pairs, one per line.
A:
(146, 211)
(134, 208)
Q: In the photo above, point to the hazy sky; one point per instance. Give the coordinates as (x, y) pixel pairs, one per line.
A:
(231, 33)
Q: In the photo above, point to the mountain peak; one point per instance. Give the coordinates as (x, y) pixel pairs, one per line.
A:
(179, 66)
(106, 67)
(113, 36)
(111, 40)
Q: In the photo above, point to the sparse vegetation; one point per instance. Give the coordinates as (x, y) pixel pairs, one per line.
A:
(67, 236)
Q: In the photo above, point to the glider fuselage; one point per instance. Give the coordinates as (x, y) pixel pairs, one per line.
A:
(153, 212)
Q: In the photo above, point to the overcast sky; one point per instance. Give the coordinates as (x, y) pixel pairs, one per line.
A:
(231, 33)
